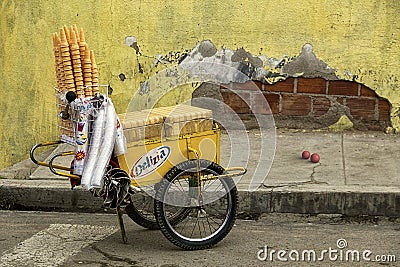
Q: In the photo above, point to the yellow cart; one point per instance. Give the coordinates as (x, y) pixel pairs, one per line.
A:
(170, 178)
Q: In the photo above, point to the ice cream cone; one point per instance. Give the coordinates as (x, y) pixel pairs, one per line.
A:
(82, 43)
(95, 81)
(76, 33)
(66, 31)
(87, 68)
(56, 49)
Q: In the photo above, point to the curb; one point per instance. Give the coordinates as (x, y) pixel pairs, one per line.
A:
(309, 202)
(357, 203)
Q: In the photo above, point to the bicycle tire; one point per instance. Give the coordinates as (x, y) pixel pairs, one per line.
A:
(143, 215)
(141, 211)
(173, 232)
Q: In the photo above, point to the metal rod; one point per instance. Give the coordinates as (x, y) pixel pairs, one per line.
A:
(41, 163)
(52, 167)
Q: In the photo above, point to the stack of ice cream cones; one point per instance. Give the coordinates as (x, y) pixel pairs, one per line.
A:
(75, 68)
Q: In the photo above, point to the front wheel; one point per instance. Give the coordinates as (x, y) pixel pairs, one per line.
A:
(211, 204)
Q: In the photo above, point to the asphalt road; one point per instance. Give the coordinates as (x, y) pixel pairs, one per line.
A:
(72, 239)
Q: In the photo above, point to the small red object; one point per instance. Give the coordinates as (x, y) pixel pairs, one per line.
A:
(305, 154)
(315, 158)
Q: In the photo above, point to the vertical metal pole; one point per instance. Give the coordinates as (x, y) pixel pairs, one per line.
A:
(121, 225)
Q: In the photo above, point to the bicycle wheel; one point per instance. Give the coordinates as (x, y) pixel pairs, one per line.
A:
(141, 211)
(211, 210)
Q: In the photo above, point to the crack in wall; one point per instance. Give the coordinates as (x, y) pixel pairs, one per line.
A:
(312, 181)
(343, 158)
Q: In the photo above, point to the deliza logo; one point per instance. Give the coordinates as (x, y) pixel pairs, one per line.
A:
(150, 161)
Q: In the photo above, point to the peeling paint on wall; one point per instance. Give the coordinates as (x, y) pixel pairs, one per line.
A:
(357, 38)
(260, 68)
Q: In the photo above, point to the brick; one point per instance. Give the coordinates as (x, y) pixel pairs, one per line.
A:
(320, 106)
(249, 85)
(340, 100)
(259, 103)
(311, 86)
(343, 88)
(384, 108)
(237, 101)
(282, 86)
(273, 101)
(362, 108)
(367, 92)
(296, 105)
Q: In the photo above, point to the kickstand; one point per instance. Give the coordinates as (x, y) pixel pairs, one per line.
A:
(121, 224)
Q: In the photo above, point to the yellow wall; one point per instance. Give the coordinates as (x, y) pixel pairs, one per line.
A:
(357, 36)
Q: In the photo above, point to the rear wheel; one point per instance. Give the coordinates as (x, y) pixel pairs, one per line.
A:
(211, 204)
(141, 211)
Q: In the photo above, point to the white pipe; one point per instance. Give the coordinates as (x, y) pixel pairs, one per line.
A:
(120, 147)
(107, 145)
(95, 143)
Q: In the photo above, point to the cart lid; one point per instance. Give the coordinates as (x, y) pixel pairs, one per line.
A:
(180, 113)
(139, 119)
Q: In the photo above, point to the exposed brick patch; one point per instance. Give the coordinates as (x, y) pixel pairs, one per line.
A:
(306, 102)
(311, 86)
(343, 88)
(362, 108)
(249, 85)
(384, 108)
(237, 101)
(282, 86)
(296, 105)
(341, 100)
(320, 106)
(259, 104)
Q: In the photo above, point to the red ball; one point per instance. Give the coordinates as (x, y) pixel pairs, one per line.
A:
(305, 154)
(315, 158)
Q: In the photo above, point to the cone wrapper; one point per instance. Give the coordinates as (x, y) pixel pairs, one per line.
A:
(120, 147)
(81, 129)
(106, 138)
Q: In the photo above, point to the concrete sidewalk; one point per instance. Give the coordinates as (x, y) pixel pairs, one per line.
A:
(358, 174)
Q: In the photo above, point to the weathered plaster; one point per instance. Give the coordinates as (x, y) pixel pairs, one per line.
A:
(260, 68)
(359, 39)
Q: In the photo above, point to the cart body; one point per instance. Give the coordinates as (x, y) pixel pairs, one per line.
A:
(161, 138)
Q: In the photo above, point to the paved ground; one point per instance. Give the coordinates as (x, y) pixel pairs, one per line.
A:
(358, 175)
(92, 240)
